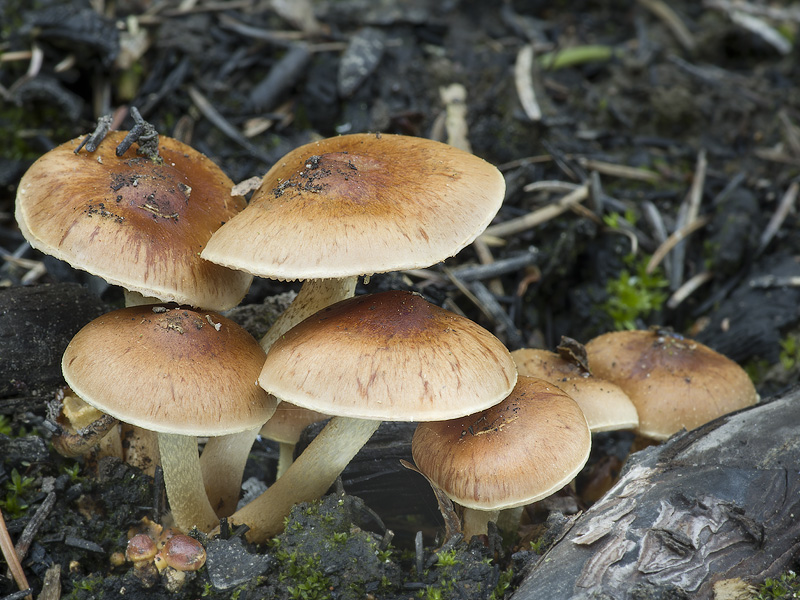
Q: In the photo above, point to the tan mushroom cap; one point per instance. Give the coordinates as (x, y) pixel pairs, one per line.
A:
(289, 421)
(360, 204)
(389, 356)
(133, 222)
(170, 370)
(676, 383)
(522, 450)
(605, 405)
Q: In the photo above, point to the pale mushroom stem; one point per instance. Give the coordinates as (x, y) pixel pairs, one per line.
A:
(285, 457)
(476, 522)
(308, 478)
(183, 479)
(314, 295)
(222, 465)
(140, 445)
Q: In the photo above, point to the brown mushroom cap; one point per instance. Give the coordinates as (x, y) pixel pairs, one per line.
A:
(389, 356)
(604, 403)
(171, 370)
(133, 222)
(522, 450)
(676, 383)
(183, 553)
(141, 547)
(360, 204)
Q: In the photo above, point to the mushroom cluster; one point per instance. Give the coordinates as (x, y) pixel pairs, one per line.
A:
(169, 230)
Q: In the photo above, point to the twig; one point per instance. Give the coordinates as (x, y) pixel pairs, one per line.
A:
(691, 210)
(523, 79)
(688, 288)
(778, 217)
(27, 535)
(537, 217)
(677, 236)
(673, 22)
(622, 171)
(485, 256)
(763, 30)
(12, 560)
(210, 113)
(496, 268)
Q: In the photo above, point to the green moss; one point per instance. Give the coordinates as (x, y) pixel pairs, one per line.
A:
(781, 588)
(635, 293)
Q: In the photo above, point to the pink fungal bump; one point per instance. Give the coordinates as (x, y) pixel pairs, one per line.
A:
(141, 549)
(183, 553)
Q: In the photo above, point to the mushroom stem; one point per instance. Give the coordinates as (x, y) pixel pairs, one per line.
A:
(140, 446)
(476, 522)
(183, 479)
(314, 295)
(285, 457)
(308, 478)
(222, 464)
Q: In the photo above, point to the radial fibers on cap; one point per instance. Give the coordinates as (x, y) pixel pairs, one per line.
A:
(132, 221)
(171, 370)
(360, 204)
(389, 356)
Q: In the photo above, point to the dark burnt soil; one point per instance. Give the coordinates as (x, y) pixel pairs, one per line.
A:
(682, 123)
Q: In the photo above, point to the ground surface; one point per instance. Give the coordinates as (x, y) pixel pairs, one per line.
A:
(684, 122)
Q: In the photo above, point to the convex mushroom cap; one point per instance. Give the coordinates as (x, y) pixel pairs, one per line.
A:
(182, 373)
(360, 204)
(171, 370)
(389, 356)
(519, 451)
(605, 405)
(675, 382)
(133, 221)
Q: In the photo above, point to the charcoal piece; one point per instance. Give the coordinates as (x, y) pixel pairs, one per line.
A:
(281, 77)
(48, 90)
(360, 59)
(76, 28)
(230, 564)
(36, 324)
(718, 502)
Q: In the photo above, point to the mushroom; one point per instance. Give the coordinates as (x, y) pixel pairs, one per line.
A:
(134, 222)
(354, 205)
(605, 405)
(285, 427)
(182, 373)
(386, 356)
(674, 382)
(519, 451)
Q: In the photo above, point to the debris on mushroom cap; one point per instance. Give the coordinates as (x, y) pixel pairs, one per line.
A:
(605, 405)
(360, 204)
(133, 222)
(183, 553)
(519, 451)
(675, 382)
(389, 356)
(200, 379)
(141, 547)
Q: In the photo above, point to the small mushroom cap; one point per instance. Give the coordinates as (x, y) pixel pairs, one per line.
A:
(606, 406)
(289, 421)
(360, 204)
(675, 382)
(133, 222)
(522, 450)
(183, 553)
(390, 356)
(171, 370)
(141, 547)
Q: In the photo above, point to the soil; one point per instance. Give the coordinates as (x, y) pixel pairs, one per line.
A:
(678, 125)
